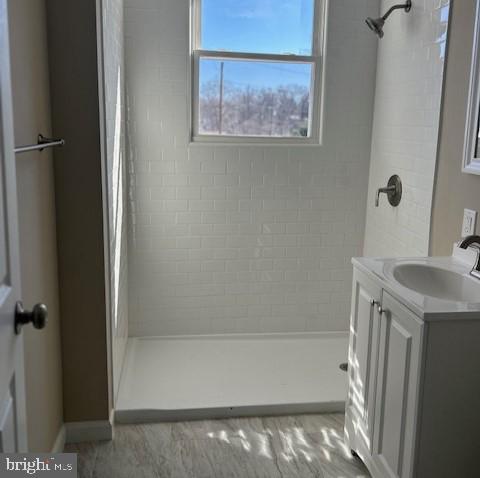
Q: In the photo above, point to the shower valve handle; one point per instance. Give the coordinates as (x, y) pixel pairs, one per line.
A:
(393, 190)
(387, 190)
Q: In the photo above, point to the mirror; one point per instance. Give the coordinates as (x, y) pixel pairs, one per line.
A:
(471, 150)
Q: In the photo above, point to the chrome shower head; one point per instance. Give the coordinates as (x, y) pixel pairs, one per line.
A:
(376, 25)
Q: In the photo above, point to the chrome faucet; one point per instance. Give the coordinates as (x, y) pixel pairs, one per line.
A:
(473, 241)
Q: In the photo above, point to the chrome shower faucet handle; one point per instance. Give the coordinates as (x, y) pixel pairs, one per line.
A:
(393, 190)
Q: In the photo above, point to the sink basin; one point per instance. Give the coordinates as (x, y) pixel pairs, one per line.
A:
(436, 282)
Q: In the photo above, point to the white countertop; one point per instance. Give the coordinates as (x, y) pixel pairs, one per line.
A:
(425, 307)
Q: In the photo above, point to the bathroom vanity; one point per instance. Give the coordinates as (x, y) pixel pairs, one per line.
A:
(414, 367)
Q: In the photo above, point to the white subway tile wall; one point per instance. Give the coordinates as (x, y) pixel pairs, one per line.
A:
(113, 43)
(405, 129)
(243, 238)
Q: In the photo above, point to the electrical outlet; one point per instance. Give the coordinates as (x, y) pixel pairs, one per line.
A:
(469, 222)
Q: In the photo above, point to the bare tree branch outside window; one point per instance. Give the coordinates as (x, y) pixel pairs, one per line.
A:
(228, 109)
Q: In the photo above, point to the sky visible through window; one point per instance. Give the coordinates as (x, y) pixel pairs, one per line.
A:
(258, 26)
(256, 74)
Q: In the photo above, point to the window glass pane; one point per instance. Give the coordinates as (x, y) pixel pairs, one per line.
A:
(254, 98)
(257, 26)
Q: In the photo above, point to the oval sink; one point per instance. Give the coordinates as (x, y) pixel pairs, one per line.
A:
(438, 283)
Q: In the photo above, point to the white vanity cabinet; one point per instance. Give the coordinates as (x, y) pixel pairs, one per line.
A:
(414, 387)
(398, 375)
(362, 361)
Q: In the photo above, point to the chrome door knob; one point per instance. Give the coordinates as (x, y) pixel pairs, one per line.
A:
(37, 316)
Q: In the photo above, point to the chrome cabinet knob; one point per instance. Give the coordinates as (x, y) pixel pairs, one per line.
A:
(381, 310)
(37, 316)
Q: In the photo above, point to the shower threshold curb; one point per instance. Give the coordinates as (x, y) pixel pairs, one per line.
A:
(152, 415)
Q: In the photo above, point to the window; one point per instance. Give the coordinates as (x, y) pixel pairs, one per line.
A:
(256, 70)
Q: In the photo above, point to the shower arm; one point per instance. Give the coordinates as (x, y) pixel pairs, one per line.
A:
(406, 6)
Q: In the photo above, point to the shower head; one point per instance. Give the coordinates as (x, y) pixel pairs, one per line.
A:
(376, 25)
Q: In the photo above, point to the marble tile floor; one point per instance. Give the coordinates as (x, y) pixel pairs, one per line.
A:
(269, 447)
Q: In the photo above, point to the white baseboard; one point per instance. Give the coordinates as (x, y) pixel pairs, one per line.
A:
(99, 430)
(59, 443)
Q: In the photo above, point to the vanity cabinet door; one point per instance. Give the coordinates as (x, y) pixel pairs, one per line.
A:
(397, 389)
(362, 363)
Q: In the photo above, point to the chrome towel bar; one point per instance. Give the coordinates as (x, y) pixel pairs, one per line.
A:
(41, 144)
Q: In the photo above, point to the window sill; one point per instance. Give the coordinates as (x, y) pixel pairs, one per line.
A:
(207, 140)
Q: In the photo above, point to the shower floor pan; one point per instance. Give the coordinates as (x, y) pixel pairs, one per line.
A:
(206, 377)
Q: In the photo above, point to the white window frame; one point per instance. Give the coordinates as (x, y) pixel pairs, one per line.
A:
(316, 84)
(471, 159)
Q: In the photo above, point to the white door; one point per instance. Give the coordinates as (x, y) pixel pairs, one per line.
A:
(13, 436)
(401, 334)
(362, 363)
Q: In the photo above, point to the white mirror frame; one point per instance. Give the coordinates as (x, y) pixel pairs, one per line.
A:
(471, 164)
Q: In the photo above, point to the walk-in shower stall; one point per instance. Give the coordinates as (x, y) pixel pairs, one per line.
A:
(233, 224)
